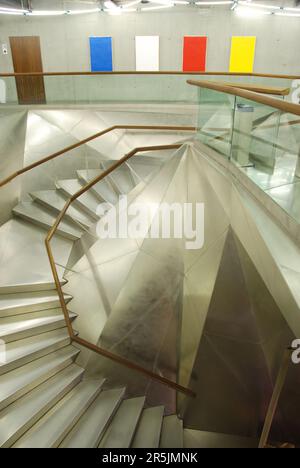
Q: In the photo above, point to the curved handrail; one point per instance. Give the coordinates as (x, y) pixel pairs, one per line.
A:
(131, 72)
(283, 106)
(103, 352)
(86, 140)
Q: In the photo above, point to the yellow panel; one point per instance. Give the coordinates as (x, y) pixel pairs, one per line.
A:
(242, 54)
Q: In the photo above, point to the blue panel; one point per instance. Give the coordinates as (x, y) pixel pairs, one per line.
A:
(101, 53)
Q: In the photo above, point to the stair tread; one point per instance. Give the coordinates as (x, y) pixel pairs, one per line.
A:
(51, 428)
(15, 383)
(172, 432)
(89, 429)
(29, 287)
(103, 188)
(17, 350)
(33, 212)
(88, 201)
(144, 166)
(149, 428)
(122, 428)
(121, 176)
(17, 324)
(11, 304)
(203, 439)
(55, 200)
(22, 414)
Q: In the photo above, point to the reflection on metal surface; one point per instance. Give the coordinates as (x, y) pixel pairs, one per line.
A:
(240, 351)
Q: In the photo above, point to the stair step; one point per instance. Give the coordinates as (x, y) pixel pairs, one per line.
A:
(143, 166)
(18, 353)
(121, 177)
(21, 415)
(87, 202)
(172, 432)
(55, 425)
(16, 383)
(122, 428)
(18, 327)
(22, 303)
(90, 428)
(202, 439)
(29, 287)
(34, 213)
(149, 428)
(103, 189)
(56, 201)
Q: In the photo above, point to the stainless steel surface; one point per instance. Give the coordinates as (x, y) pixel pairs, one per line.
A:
(21, 303)
(21, 415)
(149, 428)
(202, 439)
(231, 306)
(53, 427)
(22, 244)
(172, 432)
(89, 430)
(19, 381)
(20, 326)
(88, 202)
(121, 178)
(121, 430)
(102, 189)
(56, 201)
(32, 212)
(25, 350)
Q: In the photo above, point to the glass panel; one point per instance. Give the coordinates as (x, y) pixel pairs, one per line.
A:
(215, 123)
(129, 87)
(266, 146)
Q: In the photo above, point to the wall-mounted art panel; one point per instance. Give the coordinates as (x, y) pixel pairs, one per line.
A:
(242, 54)
(101, 54)
(194, 53)
(147, 53)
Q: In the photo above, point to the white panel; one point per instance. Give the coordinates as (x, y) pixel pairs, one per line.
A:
(147, 53)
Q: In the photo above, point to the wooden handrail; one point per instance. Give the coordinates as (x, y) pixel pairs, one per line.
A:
(279, 385)
(170, 72)
(86, 140)
(259, 88)
(283, 106)
(105, 353)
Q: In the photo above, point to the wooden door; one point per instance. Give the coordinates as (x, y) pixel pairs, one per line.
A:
(26, 55)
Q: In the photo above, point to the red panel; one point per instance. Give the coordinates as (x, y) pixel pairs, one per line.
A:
(194, 53)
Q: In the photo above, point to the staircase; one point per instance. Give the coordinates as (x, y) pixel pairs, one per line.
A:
(45, 399)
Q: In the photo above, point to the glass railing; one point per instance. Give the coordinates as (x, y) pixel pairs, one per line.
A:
(88, 88)
(261, 139)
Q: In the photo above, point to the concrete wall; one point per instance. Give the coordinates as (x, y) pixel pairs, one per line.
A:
(13, 126)
(65, 45)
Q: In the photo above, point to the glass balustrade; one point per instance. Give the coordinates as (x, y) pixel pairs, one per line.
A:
(128, 87)
(262, 141)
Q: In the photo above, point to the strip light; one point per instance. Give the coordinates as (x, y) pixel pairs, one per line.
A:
(82, 12)
(259, 5)
(290, 15)
(251, 12)
(131, 4)
(218, 2)
(158, 7)
(46, 13)
(242, 7)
